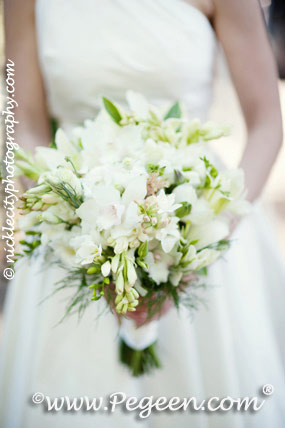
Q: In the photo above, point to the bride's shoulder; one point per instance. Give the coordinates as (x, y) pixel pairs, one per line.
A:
(204, 6)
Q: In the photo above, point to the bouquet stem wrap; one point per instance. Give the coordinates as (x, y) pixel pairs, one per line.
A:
(137, 346)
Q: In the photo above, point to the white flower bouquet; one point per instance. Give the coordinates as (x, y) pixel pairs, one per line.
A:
(132, 207)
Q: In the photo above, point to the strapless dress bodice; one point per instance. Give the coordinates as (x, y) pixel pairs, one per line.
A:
(164, 49)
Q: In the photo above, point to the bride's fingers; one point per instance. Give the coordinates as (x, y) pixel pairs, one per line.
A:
(140, 316)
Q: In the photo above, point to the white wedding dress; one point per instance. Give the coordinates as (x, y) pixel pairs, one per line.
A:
(166, 50)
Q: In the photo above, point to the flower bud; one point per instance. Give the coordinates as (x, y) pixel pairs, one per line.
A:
(143, 249)
(92, 269)
(115, 263)
(135, 293)
(106, 268)
(130, 297)
(131, 272)
(48, 217)
(120, 283)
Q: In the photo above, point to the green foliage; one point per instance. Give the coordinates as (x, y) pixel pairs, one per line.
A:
(139, 362)
(67, 193)
(112, 111)
(31, 242)
(54, 125)
(184, 210)
(174, 112)
(179, 178)
(152, 168)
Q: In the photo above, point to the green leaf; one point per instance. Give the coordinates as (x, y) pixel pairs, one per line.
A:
(184, 210)
(173, 112)
(203, 271)
(112, 111)
(54, 125)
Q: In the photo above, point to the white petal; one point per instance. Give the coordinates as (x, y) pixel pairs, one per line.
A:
(106, 268)
(210, 233)
(135, 191)
(137, 103)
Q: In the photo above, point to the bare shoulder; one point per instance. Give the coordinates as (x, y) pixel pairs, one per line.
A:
(246, 12)
(204, 6)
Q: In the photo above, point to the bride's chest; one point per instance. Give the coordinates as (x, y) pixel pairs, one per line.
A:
(107, 47)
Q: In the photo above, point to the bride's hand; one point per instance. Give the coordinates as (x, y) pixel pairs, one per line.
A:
(140, 316)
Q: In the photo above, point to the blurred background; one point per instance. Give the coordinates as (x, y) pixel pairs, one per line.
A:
(226, 108)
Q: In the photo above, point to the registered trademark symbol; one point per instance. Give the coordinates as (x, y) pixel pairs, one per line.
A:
(268, 389)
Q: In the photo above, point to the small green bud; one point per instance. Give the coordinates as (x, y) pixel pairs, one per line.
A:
(142, 264)
(130, 297)
(135, 293)
(92, 269)
(143, 249)
(125, 308)
(118, 299)
(213, 172)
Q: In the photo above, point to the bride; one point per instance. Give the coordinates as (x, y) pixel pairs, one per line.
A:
(68, 53)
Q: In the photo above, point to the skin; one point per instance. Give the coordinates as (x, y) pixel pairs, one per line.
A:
(240, 29)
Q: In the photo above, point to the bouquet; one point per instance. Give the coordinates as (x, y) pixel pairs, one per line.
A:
(134, 210)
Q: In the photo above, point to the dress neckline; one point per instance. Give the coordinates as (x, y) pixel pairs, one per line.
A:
(198, 13)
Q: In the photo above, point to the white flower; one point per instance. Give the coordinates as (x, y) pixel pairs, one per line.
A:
(48, 158)
(64, 145)
(109, 215)
(106, 268)
(28, 221)
(96, 133)
(136, 190)
(62, 175)
(203, 258)
(104, 210)
(61, 210)
(185, 192)
(166, 202)
(121, 245)
(59, 239)
(168, 235)
(50, 198)
(138, 104)
(208, 233)
(87, 250)
(201, 211)
(49, 217)
(158, 265)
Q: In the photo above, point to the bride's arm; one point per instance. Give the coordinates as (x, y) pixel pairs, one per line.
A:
(241, 31)
(21, 48)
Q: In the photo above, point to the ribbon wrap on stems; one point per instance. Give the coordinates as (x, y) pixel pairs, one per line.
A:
(137, 346)
(141, 337)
